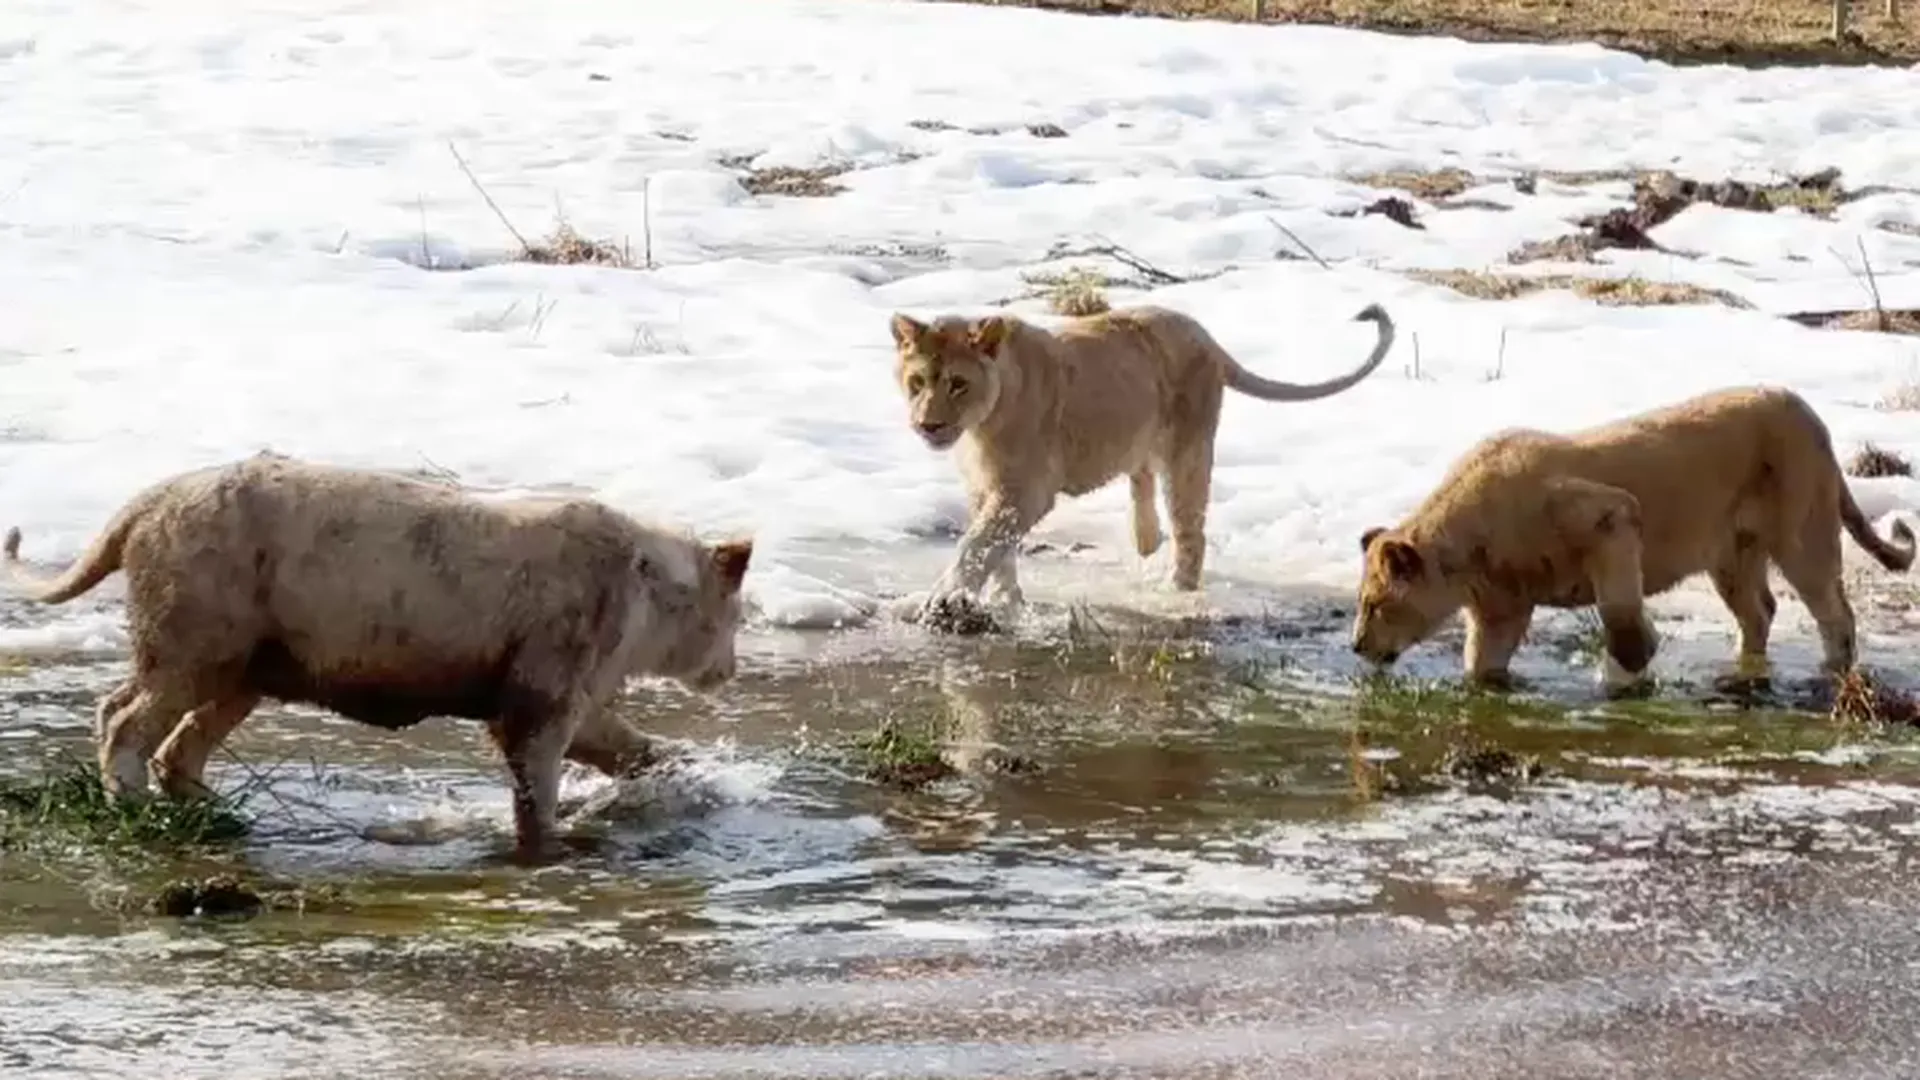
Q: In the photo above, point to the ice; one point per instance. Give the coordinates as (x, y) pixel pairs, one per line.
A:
(214, 222)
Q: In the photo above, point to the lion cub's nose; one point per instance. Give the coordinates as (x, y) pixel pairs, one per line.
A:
(926, 427)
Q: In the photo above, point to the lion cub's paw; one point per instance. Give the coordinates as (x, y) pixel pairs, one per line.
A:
(957, 613)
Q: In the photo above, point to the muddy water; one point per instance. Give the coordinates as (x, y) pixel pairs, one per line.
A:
(1171, 850)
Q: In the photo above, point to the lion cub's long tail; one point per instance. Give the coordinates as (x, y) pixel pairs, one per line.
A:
(1894, 555)
(1265, 389)
(101, 558)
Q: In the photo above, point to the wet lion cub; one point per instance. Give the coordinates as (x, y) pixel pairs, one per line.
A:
(1040, 413)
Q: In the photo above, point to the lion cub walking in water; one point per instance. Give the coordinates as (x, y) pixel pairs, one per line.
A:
(1039, 413)
(1721, 483)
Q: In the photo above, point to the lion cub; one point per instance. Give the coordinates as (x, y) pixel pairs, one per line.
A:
(1039, 413)
(1721, 483)
(388, 600)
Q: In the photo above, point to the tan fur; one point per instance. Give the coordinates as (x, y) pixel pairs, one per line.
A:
(388, 600)
(1038, 414)
(1722, 483)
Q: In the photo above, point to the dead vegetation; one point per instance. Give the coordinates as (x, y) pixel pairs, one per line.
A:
(1041, 130)
(1075, 292)
(1746, 32)
(1081, 289)
(1864, 700)
(812, 183)
(1871, 461)
(564, 246)
(1884, 321)
(1613, 292)
(1902, 398)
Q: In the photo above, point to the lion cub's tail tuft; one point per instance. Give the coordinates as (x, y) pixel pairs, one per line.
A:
(1896, 554)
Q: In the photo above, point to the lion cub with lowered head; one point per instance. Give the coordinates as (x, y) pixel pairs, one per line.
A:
(1720, 483)
(388, 600)
(1040, 413)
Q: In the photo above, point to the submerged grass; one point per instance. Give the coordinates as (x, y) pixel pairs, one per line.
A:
(903, 756)
(67, 803)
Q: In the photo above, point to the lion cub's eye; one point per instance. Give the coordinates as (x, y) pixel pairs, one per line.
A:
(958, 386)
(915, 384)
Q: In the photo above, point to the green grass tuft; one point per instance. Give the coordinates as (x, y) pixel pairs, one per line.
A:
(902, 757)
(68, 803)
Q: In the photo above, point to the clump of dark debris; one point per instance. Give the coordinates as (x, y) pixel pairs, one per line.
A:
(1874, 461)
(1660, 196)
(1394, 209)
(1476, 764)
(212, 897)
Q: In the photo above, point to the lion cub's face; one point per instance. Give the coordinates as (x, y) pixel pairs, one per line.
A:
(949, 373)
(1403, 598)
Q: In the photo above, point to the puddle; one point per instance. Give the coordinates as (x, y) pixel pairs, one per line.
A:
(1187, 875)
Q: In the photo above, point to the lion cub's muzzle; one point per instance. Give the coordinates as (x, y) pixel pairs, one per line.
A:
(938, 436)
(1372, 653)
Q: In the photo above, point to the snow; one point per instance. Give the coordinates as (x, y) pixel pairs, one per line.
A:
(211, 214)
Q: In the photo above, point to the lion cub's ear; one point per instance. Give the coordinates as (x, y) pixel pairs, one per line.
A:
(1366, 538)
(730, 558)
(987, 335)
(907, 330)
(1403, 559)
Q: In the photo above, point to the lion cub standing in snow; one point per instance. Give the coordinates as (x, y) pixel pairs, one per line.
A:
(388, 600)
(1722, 483)
(1041, 413)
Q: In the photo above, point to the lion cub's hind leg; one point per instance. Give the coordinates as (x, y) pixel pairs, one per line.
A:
(1146, 517)
(1740, 577)
(1189, 486)
(1812, 567)
(179, 767)
(1604, 522)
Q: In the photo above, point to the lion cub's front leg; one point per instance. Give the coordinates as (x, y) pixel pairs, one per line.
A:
(999, 521)
(1494, 634)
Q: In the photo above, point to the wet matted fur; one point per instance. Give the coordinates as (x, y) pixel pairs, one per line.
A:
(1041, 413)
(387, 600)
(1721, 484)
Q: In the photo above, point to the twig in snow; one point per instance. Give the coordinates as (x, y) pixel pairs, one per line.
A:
(1103, 246)
(1868, 281)
(494, 206)
(1297, 242)
(426, 250)
(646, 220)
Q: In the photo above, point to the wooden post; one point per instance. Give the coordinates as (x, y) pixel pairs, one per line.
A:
(1260, 9)
(1839, 21)
(1893, 9)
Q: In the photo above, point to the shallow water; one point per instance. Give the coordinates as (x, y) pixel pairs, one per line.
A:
(1187, 870)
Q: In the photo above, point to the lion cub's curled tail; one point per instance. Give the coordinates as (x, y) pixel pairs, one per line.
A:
(1265, 389)
(1896, 554)
(101, 558)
